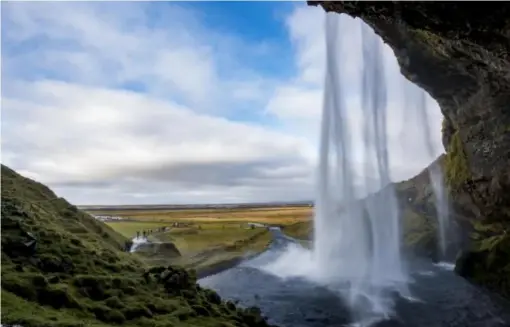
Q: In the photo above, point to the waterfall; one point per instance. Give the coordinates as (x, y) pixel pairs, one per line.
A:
(357, 241)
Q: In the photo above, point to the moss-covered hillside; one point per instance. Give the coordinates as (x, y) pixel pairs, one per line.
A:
(61, 267)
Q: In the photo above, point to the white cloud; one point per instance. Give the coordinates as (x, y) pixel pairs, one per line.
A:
(169, 54)
(69, 118)
(88, 135)
(295, 102)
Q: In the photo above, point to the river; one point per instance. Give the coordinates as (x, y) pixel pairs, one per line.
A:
(438, 296)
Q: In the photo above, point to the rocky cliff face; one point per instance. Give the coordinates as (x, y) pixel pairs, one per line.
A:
(459, 54)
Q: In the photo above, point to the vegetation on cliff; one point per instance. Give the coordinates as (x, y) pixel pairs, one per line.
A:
(488, 260)
(420, 233)
(61, 267)
(456, 164)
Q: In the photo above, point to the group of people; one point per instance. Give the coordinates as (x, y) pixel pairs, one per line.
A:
(145, 233)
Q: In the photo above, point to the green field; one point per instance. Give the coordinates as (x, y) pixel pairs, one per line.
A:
(200, 245)
(206, 237)
(129, 228)
(301, 230)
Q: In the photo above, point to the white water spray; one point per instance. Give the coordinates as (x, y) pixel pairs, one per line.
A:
(357, 242)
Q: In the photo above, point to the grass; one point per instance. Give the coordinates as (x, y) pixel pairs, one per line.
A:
(487, 262)
(301, 230)
(129, 228)
(226, 254)
(203, 246)
(193, 240)
(211, 238)
(277, 215)
(78, 275)
(456, 164)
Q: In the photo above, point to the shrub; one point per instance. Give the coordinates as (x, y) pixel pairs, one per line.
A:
(114, 303)
(136, 311)
(56, 296)
(200, 310)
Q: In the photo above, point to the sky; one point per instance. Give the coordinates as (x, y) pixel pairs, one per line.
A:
(184, 102)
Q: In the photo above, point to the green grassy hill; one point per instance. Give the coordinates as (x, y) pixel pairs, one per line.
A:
(61, 267)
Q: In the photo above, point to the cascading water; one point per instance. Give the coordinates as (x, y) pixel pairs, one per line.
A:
(356, 241)
(416, 101)
(357, 237)
(437, 181)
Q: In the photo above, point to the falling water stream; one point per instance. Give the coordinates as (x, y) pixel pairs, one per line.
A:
(355, 274)
(357, 242)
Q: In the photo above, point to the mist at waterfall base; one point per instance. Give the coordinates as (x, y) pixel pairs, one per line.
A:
(357, 243)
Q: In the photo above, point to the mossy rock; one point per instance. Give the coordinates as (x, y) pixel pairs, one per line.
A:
(436, 43)
(456, 164)
(420, 234)
(487, 263)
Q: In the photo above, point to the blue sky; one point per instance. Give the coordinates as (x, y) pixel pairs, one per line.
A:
(176, 102)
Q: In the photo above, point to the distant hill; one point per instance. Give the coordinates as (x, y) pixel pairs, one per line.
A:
(61, 267)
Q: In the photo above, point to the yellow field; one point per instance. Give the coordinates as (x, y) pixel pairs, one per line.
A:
(207, 237)
(281, 216)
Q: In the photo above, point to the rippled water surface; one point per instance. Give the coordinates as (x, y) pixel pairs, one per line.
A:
(438, 296)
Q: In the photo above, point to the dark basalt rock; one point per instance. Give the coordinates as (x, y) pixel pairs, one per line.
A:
(459, 54)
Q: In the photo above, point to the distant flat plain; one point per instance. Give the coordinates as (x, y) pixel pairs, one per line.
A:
(207, 236)
(265, 215)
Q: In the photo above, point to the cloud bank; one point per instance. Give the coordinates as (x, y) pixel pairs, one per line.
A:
(137, 103)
